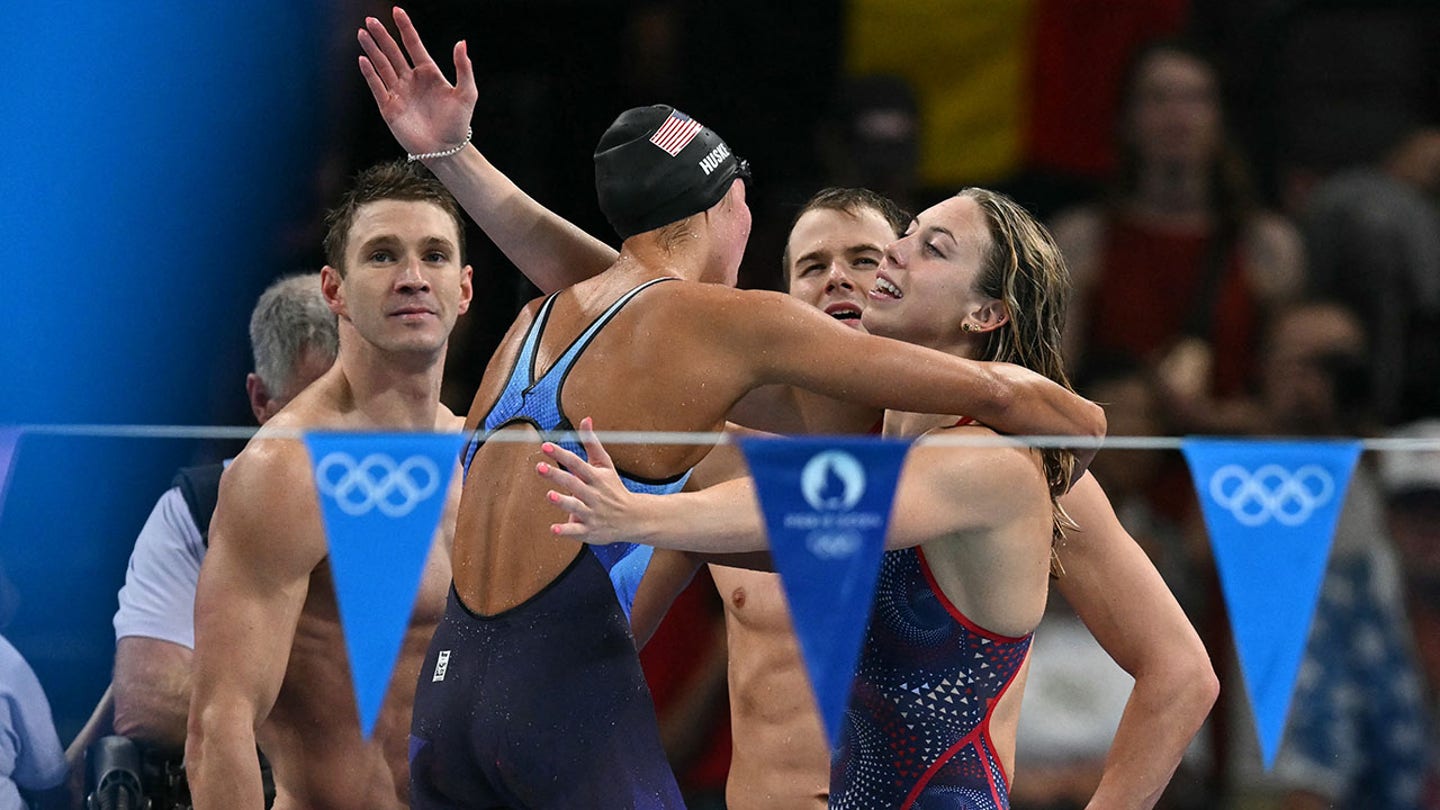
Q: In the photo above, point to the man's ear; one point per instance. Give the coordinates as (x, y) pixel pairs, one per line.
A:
(467, 288)
(259, 396)
(331, 281)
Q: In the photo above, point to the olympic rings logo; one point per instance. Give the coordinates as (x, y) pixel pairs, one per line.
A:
(1271, 492)
(833, 545)
(377, 482)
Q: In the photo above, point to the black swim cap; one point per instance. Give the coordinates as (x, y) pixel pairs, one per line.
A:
(656, 165)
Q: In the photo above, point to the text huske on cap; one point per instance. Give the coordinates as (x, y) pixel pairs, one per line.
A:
(712, 161)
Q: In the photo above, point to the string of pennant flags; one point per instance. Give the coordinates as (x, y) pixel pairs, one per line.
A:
(1270, 507)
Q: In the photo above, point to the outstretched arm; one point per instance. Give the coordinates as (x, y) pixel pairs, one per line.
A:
(725, 519)
(716, 520)
(427, 114)
(1120, 596)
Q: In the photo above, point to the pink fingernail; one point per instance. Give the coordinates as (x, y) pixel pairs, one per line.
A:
(547, 447)
(553, 496)
(542, 468)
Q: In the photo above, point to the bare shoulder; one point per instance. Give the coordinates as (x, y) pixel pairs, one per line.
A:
(993, 455)
(952, 489)
(272, 472)
(267, 503)
(271, 457)
(763, 312)
(528, 312)
(984, 478)
(522, 321)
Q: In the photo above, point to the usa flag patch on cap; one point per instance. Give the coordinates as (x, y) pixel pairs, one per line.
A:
(676, 133)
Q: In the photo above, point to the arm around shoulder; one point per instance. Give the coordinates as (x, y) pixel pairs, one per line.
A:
(793, 344)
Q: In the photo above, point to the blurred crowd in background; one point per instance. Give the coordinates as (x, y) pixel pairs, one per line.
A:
(1248, 195)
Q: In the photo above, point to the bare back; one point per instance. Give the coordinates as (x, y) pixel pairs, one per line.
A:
(639, 372)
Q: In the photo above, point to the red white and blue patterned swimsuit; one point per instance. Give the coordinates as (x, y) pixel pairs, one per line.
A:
(917, 730)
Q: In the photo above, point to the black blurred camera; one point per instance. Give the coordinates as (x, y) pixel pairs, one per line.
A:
(112, 778)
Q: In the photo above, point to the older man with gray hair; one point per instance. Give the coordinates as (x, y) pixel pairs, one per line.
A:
(294, 338)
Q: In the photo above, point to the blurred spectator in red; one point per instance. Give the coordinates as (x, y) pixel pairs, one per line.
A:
(1179, 264)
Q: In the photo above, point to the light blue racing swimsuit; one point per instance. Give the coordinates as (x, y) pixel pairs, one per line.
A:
(536, 402)
(543, 705)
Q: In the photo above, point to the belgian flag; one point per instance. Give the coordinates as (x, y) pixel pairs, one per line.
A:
(1006, 85)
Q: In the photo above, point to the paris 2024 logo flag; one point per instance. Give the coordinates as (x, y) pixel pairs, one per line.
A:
(826, 504)
(1270, 508)
(381, 497)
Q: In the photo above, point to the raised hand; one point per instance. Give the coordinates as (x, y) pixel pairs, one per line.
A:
(424, 111)
(598, 503)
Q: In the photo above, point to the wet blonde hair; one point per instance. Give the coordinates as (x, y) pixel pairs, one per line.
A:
(1026, 272)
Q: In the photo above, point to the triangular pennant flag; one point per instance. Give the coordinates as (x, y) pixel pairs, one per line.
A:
(1271, 509)
(9, 444)
(381, 496)
(826, 503)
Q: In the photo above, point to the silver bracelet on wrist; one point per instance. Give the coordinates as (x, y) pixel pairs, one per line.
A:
(444, 152)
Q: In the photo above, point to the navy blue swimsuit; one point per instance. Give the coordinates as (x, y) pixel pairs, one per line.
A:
(543, 705)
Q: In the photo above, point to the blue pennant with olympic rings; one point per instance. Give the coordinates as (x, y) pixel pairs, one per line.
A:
(826, 503)
(381, 497)
(1271, 509)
